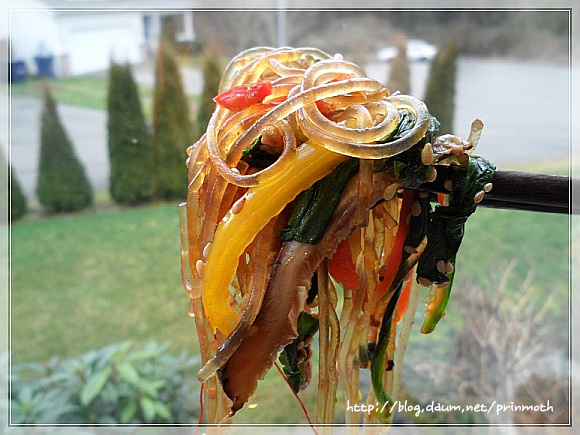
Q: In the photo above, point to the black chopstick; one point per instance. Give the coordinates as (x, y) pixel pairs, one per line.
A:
(516, 190)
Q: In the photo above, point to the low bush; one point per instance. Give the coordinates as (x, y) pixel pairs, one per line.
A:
(118, 384)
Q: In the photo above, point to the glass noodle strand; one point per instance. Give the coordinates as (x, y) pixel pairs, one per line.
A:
(298, 85)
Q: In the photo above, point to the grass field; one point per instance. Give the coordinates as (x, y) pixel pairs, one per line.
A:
(86, 91)
(82, 281)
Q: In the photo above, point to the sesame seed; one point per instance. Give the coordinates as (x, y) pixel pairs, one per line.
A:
(238, 205)
(424, 281)
(199, 266)
(236, 170)
(410, 250)
(441, 266)
(432, 175)
(416, 208)
(390, 191)
(487, 187)
(206, 250)
(478, 196)
(448, 185)
(300, 345)
(427, 155)
(449, 268)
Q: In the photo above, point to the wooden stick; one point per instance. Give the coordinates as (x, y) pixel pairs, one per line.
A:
(542, 208)
(521, 191)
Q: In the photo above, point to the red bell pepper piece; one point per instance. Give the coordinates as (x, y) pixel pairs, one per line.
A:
(395, 256)
(342, 268)
(244, 96)
(403, 302)
(325, 107)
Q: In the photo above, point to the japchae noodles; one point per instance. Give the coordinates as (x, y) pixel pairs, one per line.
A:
(305, 217)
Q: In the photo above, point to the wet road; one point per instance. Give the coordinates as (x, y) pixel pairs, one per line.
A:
(525, 107)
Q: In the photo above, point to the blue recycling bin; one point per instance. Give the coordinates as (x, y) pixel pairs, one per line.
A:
(18, 71)
(44, 66)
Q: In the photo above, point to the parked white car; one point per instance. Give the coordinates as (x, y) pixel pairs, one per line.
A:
(386, 54)
(417, 50)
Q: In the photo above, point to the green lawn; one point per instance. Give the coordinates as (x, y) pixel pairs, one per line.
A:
(86, 91)
(83, 281)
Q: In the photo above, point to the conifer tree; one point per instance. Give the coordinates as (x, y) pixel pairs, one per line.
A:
(13, 198)
(4, 189)
(211, 83)
(399, 76)
(62, 182)
(130, 148)
(440, 93)
(18, 201)
(173, 131)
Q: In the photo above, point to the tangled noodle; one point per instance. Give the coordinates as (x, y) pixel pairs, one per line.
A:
(321, 112)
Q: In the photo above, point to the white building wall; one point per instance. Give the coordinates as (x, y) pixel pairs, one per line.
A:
(92, 39)
(33, 32)
(85, 40)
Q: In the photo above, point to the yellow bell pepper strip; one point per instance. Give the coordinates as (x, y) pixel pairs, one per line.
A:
(236, 231)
